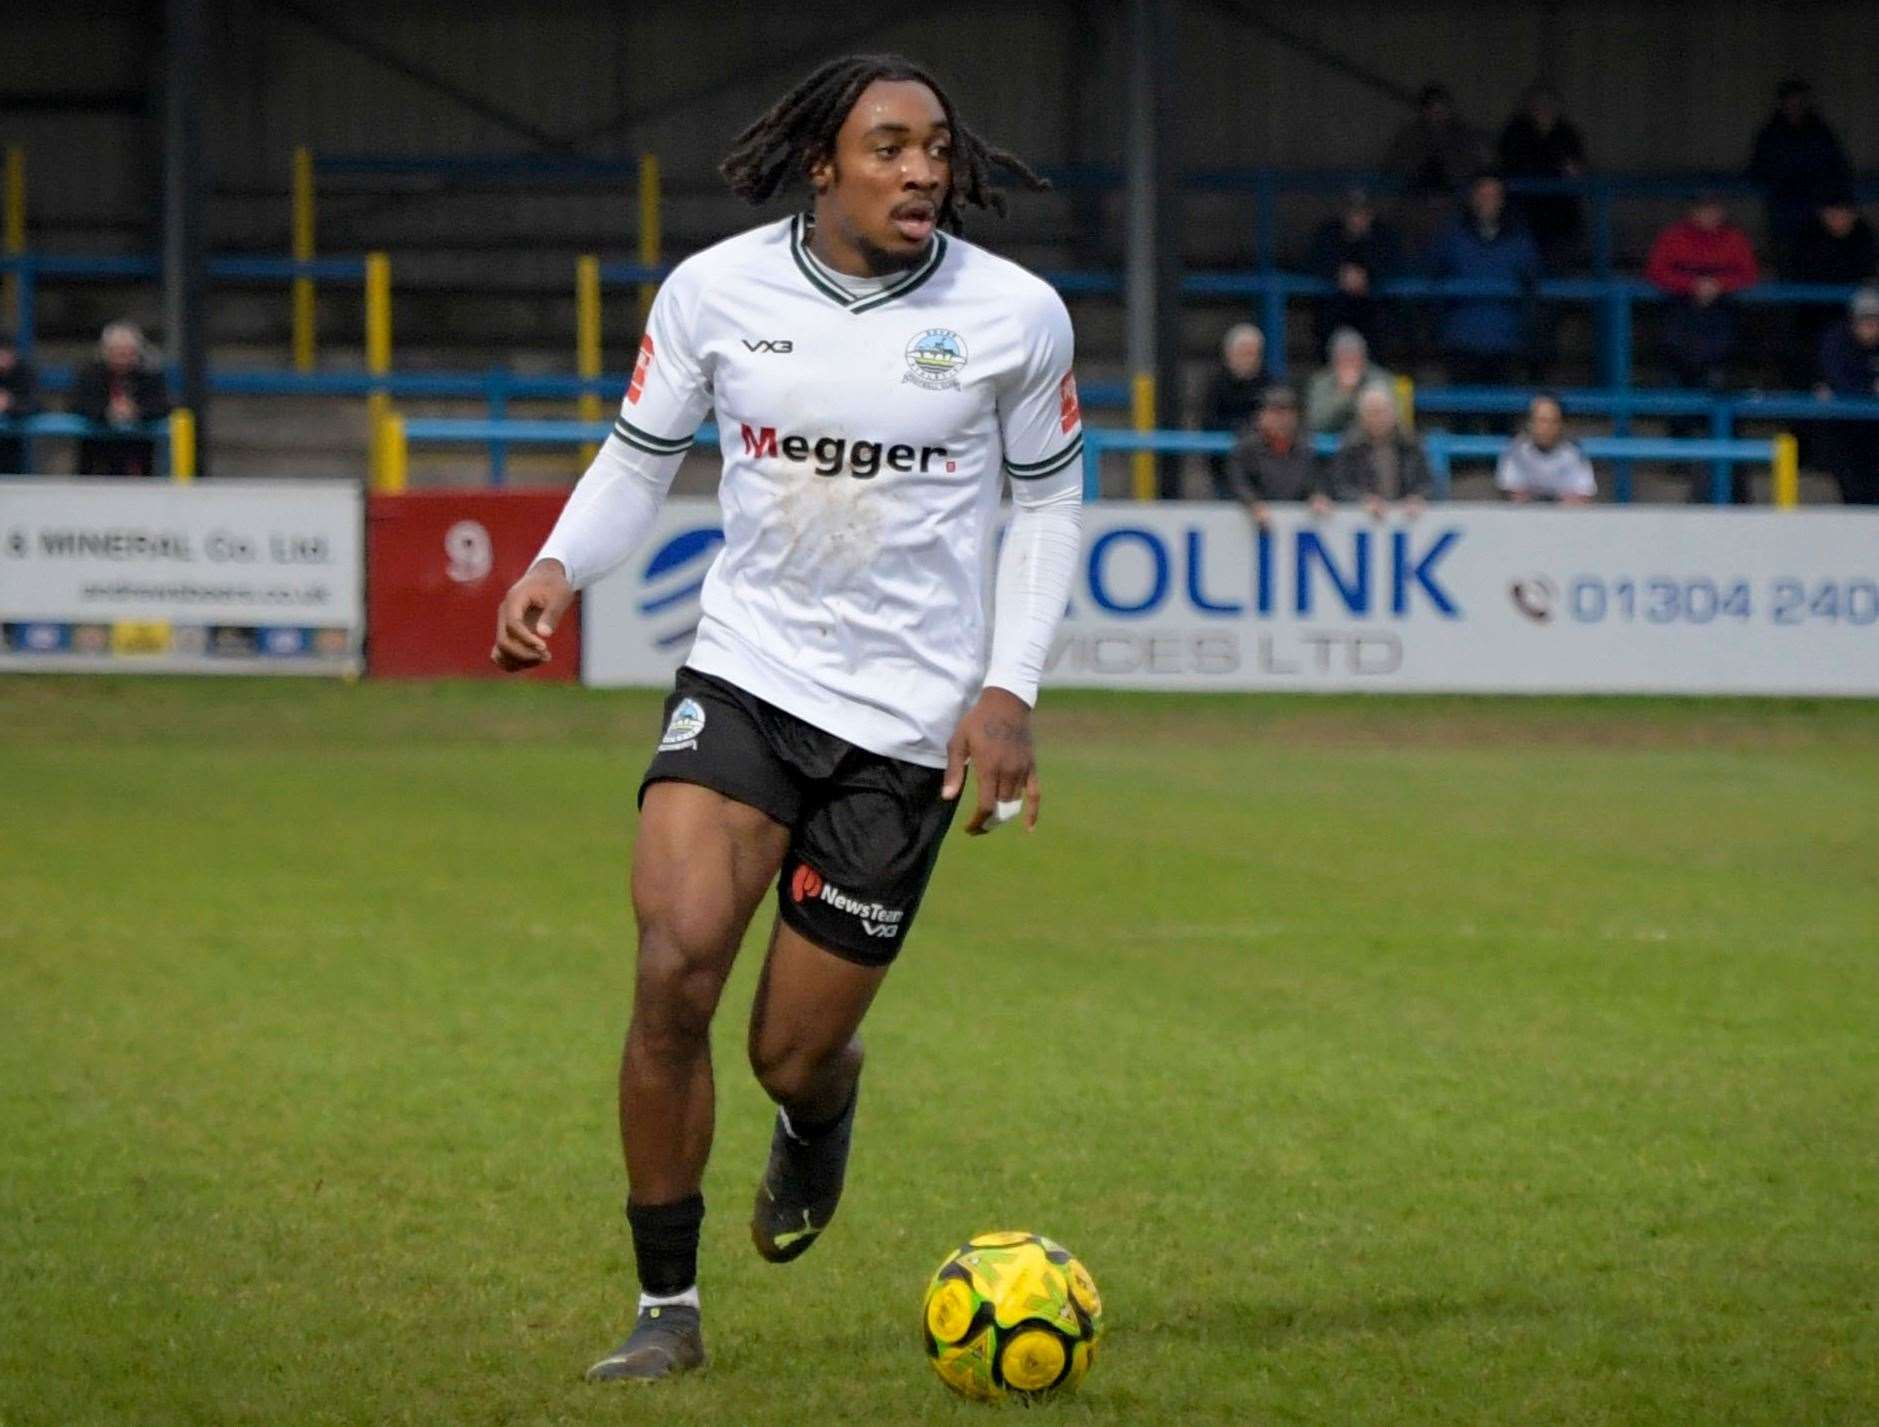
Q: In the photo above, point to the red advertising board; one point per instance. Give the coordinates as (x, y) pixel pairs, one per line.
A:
(437, 565)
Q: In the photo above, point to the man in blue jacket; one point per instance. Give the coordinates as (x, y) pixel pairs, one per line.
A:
(1484, 340)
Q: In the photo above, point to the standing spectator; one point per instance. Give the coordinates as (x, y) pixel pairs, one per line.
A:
(1835, 247)
(19, 399)
(1233, 393)
(1378, 464)
(1435, 154)
(1331, 395)
(1354, 252)
(1272, 461)
(119, 388)
(1699, 261)
(1542, 464)
(1483, 339)
(1539, 142)
(1849, 368)
(1796, 156)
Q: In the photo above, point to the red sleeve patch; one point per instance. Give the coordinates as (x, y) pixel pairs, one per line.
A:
(1068, 412)
(640, 368)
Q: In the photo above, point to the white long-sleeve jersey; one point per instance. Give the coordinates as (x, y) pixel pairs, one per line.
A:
(866, 433)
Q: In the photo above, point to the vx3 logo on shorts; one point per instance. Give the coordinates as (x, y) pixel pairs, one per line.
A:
(781, 345)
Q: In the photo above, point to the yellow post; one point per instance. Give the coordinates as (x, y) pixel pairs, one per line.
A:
(13, 225)
(1787, 471)
(303, 253)
(1406, 402)
(377, 314)
(1142, 417)
(587, 339)
(648, 229)
(394, 454)
(182, 445)
(377, 360)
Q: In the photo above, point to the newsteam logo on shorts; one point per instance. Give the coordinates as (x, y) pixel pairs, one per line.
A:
(808, 885)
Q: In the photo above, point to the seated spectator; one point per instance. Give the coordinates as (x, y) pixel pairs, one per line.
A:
(1354, 252)
(1699, 261)
(1273, 461)
(1849, 368)
(1233, 393)
(19, 399)
(1542, 464)
(1836, 244)
(1835, 247)
(1796, 155)
(1331, 395)
(1484, 339)
(1539, 142)
(1377, 463)
(119, 388)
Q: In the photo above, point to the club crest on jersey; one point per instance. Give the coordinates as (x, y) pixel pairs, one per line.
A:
(934, 359)
(687, 722)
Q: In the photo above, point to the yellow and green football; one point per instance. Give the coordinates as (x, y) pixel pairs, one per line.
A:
(1011, 1315)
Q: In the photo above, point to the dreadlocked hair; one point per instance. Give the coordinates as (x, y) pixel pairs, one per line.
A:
(798, 132)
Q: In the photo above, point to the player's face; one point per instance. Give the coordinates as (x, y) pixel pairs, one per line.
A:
(884, 188)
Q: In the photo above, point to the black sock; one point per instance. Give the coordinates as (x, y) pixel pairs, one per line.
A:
(665, 1244)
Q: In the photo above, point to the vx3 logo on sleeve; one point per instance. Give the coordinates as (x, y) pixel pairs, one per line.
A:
(780, 345)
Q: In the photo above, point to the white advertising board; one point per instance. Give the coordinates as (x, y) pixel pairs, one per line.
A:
(216, 577)
(1463, 598)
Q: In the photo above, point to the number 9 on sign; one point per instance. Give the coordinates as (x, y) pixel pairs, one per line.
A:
(467, 547)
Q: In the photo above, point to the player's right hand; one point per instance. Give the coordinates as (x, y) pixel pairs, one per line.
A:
(529, 614)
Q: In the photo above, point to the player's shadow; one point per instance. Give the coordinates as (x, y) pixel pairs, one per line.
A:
(1400, 1315)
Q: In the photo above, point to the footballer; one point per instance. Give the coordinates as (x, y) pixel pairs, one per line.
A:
(875, 379)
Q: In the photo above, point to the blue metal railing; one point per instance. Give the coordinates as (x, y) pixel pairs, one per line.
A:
(1601, 192)
(65, 425)
(1613, 299)
(1442, 447)
(32, 267)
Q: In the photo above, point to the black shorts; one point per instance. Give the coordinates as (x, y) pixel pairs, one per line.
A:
(865, 830)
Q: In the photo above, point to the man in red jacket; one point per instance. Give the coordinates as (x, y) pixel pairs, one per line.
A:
(1699, 261)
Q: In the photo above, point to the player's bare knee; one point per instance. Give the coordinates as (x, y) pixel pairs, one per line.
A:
(791, 1071)
(676, 988)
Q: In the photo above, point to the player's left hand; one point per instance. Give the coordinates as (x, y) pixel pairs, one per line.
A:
(995, 738)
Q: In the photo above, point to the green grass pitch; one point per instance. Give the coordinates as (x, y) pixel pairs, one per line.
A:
(1422, 1061)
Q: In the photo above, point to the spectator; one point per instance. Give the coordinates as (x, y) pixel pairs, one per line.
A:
(1699, 261)
(119, 388)
(1835, 247)
(1542, 464)
(1484, 338)
(1233, 393)
(19, 399)
(1273, 461)
(1849, 368)
(1796, 156)
(1377, 463)
(1331, 395)
(1354, 252)
(1435, 154)
(1539, 142)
